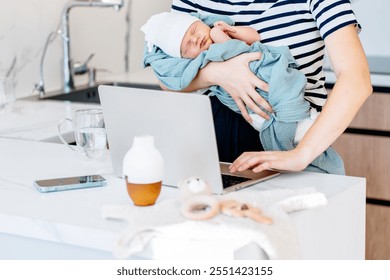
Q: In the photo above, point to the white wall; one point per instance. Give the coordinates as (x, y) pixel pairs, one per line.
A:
(25, 25)
(374, 17)
(141, 11)
(22, 34)
(104, 32)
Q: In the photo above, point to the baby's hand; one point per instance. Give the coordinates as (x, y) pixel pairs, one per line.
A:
(224, 26)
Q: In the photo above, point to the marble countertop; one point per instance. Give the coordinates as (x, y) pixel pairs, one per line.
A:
(69, 225)
(37, 119)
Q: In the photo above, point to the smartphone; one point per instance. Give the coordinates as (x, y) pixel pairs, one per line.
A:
(69, 183)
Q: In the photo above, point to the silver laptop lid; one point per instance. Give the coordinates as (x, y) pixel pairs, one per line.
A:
(182, 126)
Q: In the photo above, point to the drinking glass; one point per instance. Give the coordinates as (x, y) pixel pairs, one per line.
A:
(90, 133)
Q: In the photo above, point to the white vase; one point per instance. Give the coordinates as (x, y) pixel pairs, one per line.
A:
(143, 169)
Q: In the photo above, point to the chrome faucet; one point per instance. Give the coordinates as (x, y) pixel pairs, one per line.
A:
(67, 61)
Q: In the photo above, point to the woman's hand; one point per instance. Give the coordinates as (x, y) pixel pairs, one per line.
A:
(237, 79)
(292, 160)
(349, 93)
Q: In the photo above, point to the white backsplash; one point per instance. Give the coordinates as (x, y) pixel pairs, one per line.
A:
(374, 17)
(25, 25)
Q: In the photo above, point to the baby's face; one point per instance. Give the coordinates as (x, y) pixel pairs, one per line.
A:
(195, 40)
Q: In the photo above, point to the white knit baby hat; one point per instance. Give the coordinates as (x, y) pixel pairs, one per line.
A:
(166, 30)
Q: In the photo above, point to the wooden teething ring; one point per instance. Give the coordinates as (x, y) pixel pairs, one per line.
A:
(234, 208)
(200, 207)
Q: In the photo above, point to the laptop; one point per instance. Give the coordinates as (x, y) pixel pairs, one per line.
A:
(183, 130)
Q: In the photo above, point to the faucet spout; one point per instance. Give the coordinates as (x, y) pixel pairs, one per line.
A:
(67, 61)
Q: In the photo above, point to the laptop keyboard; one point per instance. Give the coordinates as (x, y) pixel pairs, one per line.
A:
(228, 180)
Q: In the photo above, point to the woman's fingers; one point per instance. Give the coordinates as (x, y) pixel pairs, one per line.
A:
(260, 84)
(249, 160)
(248, 57)
(279, 160)
(254, 106)
(256, 82)
(257, 97)
(242, 107)
(239, 81)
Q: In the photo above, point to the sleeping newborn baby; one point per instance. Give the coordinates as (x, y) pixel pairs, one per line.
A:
(178, 45)
(186, 36)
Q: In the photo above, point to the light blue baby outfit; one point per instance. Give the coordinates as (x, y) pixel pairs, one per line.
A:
(276, 67)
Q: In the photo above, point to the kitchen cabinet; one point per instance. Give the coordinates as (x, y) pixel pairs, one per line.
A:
(365, 149)
(377, 232)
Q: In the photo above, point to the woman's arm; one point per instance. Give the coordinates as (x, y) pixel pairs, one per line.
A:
(352, 88)
(237, 79)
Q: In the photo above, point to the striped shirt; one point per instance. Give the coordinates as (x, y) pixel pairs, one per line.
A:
(302, 25)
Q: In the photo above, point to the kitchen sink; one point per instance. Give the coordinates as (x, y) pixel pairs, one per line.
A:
(89, 94)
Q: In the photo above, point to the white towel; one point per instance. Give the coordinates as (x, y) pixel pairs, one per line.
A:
(223, 234)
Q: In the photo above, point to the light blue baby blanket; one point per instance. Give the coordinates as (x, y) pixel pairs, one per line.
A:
(277, 67)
